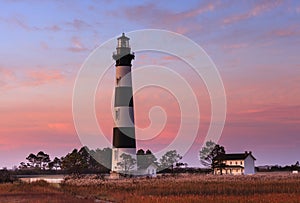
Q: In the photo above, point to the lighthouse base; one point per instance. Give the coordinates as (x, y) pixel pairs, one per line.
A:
(119, 164)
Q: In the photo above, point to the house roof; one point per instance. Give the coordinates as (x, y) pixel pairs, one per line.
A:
(236, 156)
(147, 166)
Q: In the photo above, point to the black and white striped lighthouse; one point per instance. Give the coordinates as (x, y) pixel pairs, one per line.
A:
(124, 130)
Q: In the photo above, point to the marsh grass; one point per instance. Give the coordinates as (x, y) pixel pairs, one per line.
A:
(182, 188)
(39, 191)
(191, 188)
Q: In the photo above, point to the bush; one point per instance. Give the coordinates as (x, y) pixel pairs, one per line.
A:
(6, 176)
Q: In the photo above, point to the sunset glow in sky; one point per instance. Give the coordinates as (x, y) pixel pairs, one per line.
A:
(255, 46)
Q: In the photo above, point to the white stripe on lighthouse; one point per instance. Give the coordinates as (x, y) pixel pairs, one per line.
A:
(123, 117)
(123, 76)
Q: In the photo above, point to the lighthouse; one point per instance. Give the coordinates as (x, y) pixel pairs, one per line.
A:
(123, 130)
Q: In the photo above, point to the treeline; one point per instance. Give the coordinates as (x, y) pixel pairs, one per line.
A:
(84, 161)
(79, 161)
(292, 167)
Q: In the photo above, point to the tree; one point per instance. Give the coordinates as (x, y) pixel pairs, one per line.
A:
(296, 166)
(73, 162)
(211, 155)
(102, 158)
(140, 156)
(32, 159)
(169, 159)
(127, 163)
(56, 163)
(6, 176)
(42, 160)
(23, 165)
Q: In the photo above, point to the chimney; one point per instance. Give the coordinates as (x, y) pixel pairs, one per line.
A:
(246, 152)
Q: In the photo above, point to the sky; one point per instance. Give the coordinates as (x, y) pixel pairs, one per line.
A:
(254, 45)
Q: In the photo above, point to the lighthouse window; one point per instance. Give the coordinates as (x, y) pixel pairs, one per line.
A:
(116, 155)
(120, 43)
(118, 114)
(118, 80)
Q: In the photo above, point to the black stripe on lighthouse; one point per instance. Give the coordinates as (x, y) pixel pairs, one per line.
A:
(124, 137)
(123, 96)
(124, 60)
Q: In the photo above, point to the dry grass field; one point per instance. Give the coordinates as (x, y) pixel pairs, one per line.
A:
(276, 187)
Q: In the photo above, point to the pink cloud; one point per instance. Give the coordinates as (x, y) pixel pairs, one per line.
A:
(22, 78)
(6, 76)
(17, 21)
(42, 77)
(53, 28)
(78, 24)
(164, 18)
(61, 126)
(44, 45)
(286, 32)
(76, 45)
(257, 10)
(199, 10)
(280, 114)
(235, 46)
(4, 72)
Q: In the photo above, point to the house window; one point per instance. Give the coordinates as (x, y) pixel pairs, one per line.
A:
(236, 163)
(241, 163)
(152, 171)
(231, 163)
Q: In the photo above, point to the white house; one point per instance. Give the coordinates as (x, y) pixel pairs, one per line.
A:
(237, 164)
(150, 170)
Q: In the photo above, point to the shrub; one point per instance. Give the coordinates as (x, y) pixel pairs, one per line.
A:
(6, 176)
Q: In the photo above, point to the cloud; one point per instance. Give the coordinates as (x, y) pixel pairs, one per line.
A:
(4, 72)
(26, 26)
(64, 127)
(42, 77)
(79, 24)
(44, 45)
(279, 114)
(6, 76)
(257, 10)
(285, 32)
(11, 79)
(180, 22)
(77, 45)
(235, 46)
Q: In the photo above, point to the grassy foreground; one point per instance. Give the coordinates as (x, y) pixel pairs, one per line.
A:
(183, 188)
